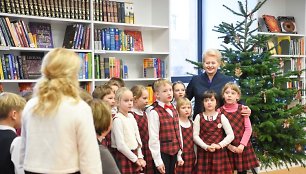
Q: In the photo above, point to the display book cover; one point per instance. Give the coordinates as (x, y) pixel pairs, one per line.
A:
(42, 34)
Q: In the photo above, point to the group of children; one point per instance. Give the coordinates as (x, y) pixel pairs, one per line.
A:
(161, 138)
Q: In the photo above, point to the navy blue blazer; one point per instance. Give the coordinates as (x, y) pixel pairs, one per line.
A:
(201, 83)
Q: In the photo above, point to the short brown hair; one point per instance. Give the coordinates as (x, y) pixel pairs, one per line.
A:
(161, 82)
(10, 101)
(137, 91)
(101, 91)
(116, 81)
(102, 115)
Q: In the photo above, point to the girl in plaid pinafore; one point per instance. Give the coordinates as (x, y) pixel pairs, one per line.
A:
(125, 137)
(140, 95)
(209, 136)
(241, 153)
(186, 161)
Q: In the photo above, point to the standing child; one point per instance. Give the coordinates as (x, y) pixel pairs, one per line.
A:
(125, 134)
(164, 130)
(11, 106)
(102, 120)
(107, 94)
(186, 161)
(178, 88)
(241, 152)
(140, 95)
(208, 134)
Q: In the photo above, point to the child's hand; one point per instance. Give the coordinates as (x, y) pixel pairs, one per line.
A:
(142, 162)
(246, 111)
(232, 148)
(161, 169)
(211, 148)
(216, 146)
(240, 148)
(180, 163)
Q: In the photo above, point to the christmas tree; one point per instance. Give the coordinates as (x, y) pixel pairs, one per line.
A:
(277, 117)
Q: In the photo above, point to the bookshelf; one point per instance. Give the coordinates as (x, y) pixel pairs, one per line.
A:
(151, 18)
(295, 58)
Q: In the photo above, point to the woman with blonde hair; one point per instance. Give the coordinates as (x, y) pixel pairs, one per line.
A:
(58, 134)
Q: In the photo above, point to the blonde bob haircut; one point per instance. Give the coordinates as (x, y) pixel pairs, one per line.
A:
(182, 101)
(9, 102)
(213, 53)
(60, 68)
(233, 86)
(102, 115)
(120, 93)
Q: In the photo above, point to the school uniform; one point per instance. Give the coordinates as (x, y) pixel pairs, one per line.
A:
(164, 136)
(142, 122)
(188, 155)
(208, 131)
(247, 159)
(126, 140)
(6, 138)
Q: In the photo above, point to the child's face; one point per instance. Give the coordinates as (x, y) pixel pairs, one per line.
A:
(210, 104)
(230, 96)
(126, 102)
(142, 101)
(109, 99)
(16, 116)
(178, 91)
(165, 93)
(185, 110)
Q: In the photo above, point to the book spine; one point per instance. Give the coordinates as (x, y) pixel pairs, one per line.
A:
(26, 7)
(21, 6)
(6, 32)
(31, 7)
(60, 9)
(44, 8)
(2, 6)
(13, 7)
(1, 71)
(8, 7)
(4, 67)
(8, 23)
(87, 6)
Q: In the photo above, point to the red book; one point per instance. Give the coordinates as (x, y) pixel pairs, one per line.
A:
(138, 44)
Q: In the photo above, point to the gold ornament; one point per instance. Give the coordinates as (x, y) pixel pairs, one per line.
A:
(238, 72)
(299, 148)
(264, 96)
(286, 124)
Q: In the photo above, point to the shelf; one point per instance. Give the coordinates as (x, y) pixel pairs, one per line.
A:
(34, 81)
(37, 49)
(125, 26)
(281, 34)
(44, 19)
(131, 52)
(289, 56)
(129, 80)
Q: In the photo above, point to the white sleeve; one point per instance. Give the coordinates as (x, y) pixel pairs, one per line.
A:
(15, 155)
(154, 143)
(89, 153)
(117, 131)
(196, 133)
(228, 131)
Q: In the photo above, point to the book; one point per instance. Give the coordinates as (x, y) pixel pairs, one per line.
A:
(271, 23)
(137, 38)
(287, 24)
(271, 47)
(283, 45)
(32, 62)
(262, 25)
(43, 34)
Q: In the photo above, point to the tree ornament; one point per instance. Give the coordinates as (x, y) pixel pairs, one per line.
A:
(273, 75)
(237, 38)
(227, 39)
(281, 63)
(263, 93)
(299, 148)
(286, 124)
(238, 72)
(298, 95)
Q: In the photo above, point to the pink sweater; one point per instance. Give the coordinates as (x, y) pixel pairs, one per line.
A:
(247, 123)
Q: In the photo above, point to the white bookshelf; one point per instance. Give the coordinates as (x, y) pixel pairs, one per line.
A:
(296, 8)
(151, 18)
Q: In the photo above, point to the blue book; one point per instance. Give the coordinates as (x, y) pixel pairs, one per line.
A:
(107, 39)
(112, 38)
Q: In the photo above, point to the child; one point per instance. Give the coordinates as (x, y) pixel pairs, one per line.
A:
(164, 130)
(102, 120)
(58, 134)
(208, 135)
(178, 88)
(118, 81)
(125, 134)
(186, 161)
(107, 94)
(11, 106)
(241, 152)
(140, 95)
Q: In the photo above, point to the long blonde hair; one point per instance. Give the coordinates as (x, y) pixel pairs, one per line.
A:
(59, 70)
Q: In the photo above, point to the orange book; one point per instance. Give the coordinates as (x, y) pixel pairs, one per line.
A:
(272, 23)
(138, 44)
